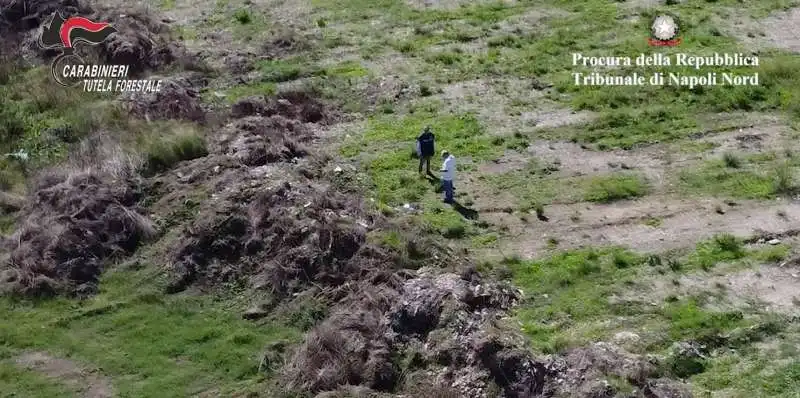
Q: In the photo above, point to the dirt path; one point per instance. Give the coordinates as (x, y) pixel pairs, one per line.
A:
(772, 31)
(660, 221)
(773, 286)
(90, 383)
(655, 223)
(659, 160)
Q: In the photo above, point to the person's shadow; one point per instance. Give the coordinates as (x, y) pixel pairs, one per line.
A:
(466, 212)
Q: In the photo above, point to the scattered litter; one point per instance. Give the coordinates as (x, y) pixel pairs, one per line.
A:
(337, 169)
(21, 155)
(774, 241)
(626, 337)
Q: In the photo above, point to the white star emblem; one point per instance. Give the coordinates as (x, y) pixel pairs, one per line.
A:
(664, 28)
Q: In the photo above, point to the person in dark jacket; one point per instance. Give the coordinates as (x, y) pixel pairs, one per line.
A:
(426, 149)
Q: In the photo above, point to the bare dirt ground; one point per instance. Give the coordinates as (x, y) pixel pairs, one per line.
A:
(768, 285)
(774, 31)
(654, 161)
(497, 102)
(532, 19)
(447, 4)
(90, 383)
(781, 31)
(683, 222)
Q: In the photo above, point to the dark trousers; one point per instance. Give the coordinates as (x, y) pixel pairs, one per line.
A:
(447, 187)
(427, 161)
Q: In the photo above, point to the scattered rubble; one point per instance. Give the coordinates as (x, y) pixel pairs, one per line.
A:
(178, 98)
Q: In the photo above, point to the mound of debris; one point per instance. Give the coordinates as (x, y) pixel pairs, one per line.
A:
(178, 98)
(445, 326)
(72, 223)
(142, 41)
(256, 140)
(288, 236)
(587, 371)
(300, 106)
(24, 15)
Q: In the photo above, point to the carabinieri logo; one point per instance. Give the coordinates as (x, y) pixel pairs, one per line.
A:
(64, 33)
(69, 69)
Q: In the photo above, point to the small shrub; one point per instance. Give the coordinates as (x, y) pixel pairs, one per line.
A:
(405, 47)
(784, 179)
(539, 208)
(425, 91)
(683, 367)
(166, 152)
(455, 232)
(243, 17)
(622, 259)
(729, 243)
(731, 160)
(445, 58)
(653, 222)
(620, 187)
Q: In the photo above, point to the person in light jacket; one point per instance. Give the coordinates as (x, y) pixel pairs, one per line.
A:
(448, 175)
(426, 145)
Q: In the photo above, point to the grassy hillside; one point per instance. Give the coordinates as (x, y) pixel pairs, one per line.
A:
(652, 218)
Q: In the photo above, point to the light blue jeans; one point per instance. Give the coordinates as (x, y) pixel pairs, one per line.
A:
(447, 187)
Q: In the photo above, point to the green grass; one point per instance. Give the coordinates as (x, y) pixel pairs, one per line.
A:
(43, 118)
(248, 90)
(444, 221)
(769, 371)
(629, 116)
(570, 295)
(166, 151)
(390, 164)
(746, 376)
(721, 248)
(750, 179)
(615, 187)
(17, 382)
(634, 115)
(148, 344)
(569, 288)
(689, 321)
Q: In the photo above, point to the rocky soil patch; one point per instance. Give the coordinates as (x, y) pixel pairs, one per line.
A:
(89, 382)
(681, 223)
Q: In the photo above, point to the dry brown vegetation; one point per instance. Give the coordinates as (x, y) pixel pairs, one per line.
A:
(71, 224)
